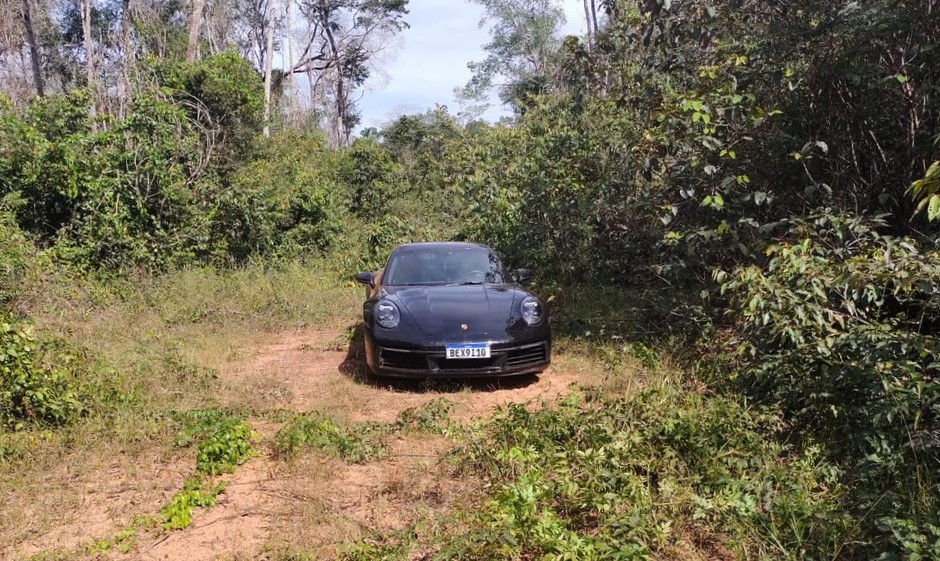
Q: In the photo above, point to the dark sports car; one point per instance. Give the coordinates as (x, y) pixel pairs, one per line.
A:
(449, 309)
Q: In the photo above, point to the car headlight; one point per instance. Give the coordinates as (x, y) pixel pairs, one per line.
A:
(386, 314)
(532, 311)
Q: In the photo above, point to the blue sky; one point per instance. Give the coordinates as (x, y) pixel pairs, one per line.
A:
(432, 59)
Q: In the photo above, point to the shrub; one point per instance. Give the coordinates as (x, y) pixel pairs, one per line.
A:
(19, 270)
(642, 477)
(30, 391)
(839, 329)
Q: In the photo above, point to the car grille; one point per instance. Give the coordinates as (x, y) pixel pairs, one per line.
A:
(466, 363)
(526, 355)
(391, 358)
(424, 361)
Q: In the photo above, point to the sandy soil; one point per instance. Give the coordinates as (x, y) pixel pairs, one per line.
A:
(313, 503)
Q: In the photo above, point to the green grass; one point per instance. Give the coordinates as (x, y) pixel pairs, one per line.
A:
(667, 473)
(146, 351)
(638, 466)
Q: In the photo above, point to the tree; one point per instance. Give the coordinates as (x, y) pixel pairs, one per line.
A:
(85, 7)
(339, 47)
(522, 51)
(16, 80)
(33, 48)
(195, 21)
(268, 59)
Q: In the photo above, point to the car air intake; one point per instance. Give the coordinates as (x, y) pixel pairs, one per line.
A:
(466, 363)
(401, 359)
(526, 355)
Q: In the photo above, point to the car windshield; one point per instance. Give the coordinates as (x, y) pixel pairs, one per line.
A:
(443, 265)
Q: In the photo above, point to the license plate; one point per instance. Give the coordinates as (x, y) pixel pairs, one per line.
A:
(469, 350)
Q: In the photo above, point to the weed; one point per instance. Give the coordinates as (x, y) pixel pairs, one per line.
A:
(123, 541)
(178, 513)
(432, 417)
(196, 424)
(294, 555)
(185, 371)
(342, 341)
(356, 443)
(228, 446)
(224, 442)
(630, 479)
(381, 548)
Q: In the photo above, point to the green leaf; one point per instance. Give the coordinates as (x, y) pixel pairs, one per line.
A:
(933, 208)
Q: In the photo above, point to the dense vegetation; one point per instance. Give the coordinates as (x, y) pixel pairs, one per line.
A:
(767, 171)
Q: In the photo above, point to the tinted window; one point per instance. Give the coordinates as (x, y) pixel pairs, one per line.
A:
(457, 265)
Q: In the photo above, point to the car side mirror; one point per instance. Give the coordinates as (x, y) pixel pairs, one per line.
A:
(522, 275)
(365, 278)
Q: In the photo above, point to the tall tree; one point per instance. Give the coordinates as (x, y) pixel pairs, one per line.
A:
(195, 22)
(590, 19)
(344, 37)
(268, 61)
(524, 44)
(33, 48)
(85, 8)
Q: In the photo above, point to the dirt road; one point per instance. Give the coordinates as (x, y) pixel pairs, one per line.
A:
(313, 503)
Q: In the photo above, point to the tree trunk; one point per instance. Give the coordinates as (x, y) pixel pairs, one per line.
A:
(288, 75)
(33, 49)
(594, 16)
(195, 20)
(89, 58)
(268, 60)
(127, 57)
(587, 19)
(342, 108)
(288, 36)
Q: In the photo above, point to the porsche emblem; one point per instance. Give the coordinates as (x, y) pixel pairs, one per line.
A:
(464, 326)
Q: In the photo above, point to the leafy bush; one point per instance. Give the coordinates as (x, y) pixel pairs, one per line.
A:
(368, 170)
(31, 391)
(140, 191)
(839, 329)
(20, 265)
(286, 201)
(639, 478)
(223, 94)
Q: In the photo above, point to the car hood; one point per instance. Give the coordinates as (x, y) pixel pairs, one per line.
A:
(441, 310)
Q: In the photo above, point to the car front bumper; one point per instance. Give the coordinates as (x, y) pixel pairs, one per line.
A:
(506, 359)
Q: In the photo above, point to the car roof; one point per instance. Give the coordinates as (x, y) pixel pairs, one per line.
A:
(439, 246)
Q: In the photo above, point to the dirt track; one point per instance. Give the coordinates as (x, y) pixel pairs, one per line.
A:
(312, 503)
